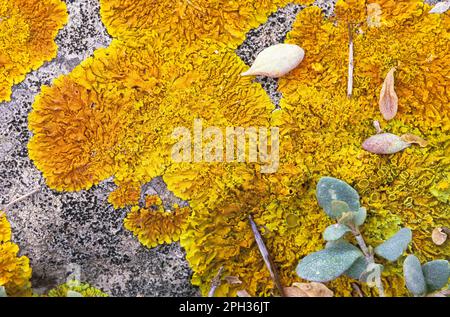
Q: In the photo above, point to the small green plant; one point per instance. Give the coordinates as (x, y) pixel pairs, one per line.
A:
(423, 280)
(341, 202)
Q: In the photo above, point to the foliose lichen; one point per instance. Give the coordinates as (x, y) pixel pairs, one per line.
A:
(27, 32)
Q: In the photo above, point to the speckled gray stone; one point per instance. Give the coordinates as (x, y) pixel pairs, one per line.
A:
(63, 233)
(66, 233)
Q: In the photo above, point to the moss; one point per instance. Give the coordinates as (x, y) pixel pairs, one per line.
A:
(27, 32)
(15, 271)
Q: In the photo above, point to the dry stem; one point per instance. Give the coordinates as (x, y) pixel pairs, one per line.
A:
(369, 258)
(266, 256)
(21, 198)
(215, 283)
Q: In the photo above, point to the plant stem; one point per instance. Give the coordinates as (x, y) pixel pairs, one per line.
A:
(215, 283)
(21, 198)
(350, 62)
(266, 256)
(369, 258)
(357, 289)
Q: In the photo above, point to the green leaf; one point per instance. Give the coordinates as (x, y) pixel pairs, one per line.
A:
(436, 274)
(335, 232)
(331, 189)
(328, 264)
(360, 216)
(347, 218)
(414, 278)
(3, 292)
(338, 208)
(357, 269)
(331, 243)
(371, 272)
(394, 247)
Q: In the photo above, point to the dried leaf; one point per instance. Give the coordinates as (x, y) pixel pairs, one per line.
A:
(440, 7)
(438, 236)
(385, 143)
(294, 292)
(312, 289)
(388, 98)
(242, 293)
(414, 139)
(276, 61)
(232, 280)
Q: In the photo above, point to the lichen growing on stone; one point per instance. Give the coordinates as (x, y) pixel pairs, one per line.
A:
(153, 225)
(321, 134)
(84, 289)
(15, 271)
(114, 115)
(226, 21)
(27, 32)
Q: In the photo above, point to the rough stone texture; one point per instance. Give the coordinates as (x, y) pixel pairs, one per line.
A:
(66, 233)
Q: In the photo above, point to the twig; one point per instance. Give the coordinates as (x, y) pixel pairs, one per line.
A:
(21, 198)
(357, 289)
(350, 62)
(266, 256)
(369, 258)
(215, 283)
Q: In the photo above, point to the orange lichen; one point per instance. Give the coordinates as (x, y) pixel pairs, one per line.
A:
(125, 195)
(27, 32)
(15, 271)
(321, 134)
(226, 21)
(153, 225)
(115, 113)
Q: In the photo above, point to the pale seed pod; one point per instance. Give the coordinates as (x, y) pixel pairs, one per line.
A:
(388, 98)
(276, 61)
(439, 236)
(440, 7)
(385, 143)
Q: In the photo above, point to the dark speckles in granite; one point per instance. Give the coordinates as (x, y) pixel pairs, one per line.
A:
(63, 231)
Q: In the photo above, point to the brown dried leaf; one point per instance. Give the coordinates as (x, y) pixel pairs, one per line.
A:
(232, 280)
(414, 139)
(438, 236)
(388, 98)
(242, 293)
(312, 289)
(294, 292)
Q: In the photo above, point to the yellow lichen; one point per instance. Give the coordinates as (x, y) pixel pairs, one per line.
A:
(15, 271)
(84, 289)
(125, 195)
(226, 21)
(321, 134)
(114, 115)
(27, 32)
(153, 225)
